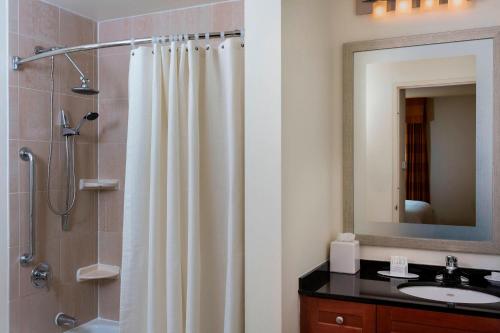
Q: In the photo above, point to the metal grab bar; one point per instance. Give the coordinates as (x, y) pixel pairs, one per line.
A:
(26, 155)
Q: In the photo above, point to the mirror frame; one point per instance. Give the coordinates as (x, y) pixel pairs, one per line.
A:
(487, 247)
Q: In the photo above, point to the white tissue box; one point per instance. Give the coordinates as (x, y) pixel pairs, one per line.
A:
(344, 257)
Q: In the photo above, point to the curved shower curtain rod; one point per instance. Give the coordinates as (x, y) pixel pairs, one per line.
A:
(18, 61)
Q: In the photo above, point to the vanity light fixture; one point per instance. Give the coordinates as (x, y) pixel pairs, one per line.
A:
(403, 6)
(429, 4)
(456, 4)
(379, 8)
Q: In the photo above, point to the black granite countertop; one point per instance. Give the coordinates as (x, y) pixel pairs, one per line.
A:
(369, 287)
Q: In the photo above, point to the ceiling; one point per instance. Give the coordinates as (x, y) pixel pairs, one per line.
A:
(442, 91)
(100, 10)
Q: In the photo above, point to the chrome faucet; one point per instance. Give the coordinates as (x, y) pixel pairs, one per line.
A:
(451, 273)
(451, 264)
(63, 320)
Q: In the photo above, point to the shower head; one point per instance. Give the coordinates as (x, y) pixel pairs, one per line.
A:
(88, 117)
(84, 90)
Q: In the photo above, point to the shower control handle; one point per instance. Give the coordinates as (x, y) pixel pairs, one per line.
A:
(41, 275)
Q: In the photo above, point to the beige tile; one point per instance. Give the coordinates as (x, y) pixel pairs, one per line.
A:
(144, 25)
(13, 16)
(110, 248)
(222, 16)
(36, 74)
(13, 166)
(111, 211)
(86, 160)
(15, 316)
(14, 273)
(80, 300)
(13, 113)
(166, 25)
(76, 30)
(13, 51)
(77, 250)
(14, 219)
(109, 299)
(42, 309)
(83, 218)
(178, 22)
(113, 76)
(34, 115)
(112, 161)
(114, 30)
(198, 19)
(238, 15)
(39, 20)
(113, 121)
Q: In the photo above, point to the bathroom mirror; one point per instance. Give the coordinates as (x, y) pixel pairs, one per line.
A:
(421, 141)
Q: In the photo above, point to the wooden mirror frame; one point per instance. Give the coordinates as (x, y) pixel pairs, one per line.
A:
(487, 247)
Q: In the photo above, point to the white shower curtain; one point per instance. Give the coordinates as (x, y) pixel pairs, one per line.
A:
(182, 265)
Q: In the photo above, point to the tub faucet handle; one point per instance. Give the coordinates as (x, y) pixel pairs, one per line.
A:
(64, 320)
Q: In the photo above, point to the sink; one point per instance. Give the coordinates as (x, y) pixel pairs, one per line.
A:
(449, 295)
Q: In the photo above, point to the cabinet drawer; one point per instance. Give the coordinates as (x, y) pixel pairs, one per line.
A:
(401, 320)
(329, 316)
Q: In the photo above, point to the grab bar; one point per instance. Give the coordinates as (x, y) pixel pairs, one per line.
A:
(26, 155)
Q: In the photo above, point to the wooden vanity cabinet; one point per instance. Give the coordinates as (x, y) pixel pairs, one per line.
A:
(331, 316)
(399, 320)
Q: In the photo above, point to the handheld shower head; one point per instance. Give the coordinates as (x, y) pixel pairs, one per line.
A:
(88, 117)
(91, 116)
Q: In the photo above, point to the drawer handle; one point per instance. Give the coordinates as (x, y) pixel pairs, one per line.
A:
(339, 320)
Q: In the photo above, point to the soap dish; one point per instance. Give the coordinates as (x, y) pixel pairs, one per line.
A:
(398, 275)
(97, 272)
(492, 281)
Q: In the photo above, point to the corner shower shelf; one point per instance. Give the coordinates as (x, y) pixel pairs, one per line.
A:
(97, 272)
(99, 184)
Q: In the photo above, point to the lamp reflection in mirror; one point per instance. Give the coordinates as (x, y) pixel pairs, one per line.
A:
(379, 8)
(403, 6)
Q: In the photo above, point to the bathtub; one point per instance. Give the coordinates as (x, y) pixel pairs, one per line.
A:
(97, 326)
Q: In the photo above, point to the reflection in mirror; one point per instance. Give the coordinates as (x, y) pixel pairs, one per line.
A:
(423, 141)
(438, 127)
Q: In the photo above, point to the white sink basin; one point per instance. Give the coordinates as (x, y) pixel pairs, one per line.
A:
(450, 295)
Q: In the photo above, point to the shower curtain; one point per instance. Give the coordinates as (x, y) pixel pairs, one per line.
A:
(183, 214)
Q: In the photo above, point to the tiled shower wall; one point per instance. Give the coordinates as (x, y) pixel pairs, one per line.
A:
(113, 109)
(31, 23)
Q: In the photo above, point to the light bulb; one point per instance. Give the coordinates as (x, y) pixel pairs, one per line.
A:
(379, 8)
(403, 6)
(429, 4)
(456, 4)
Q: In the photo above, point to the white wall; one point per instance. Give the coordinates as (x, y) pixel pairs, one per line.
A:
(4, 203)
(288, 156)
(306, 147)
(452, 128)
(347, 27)
(263, 238)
